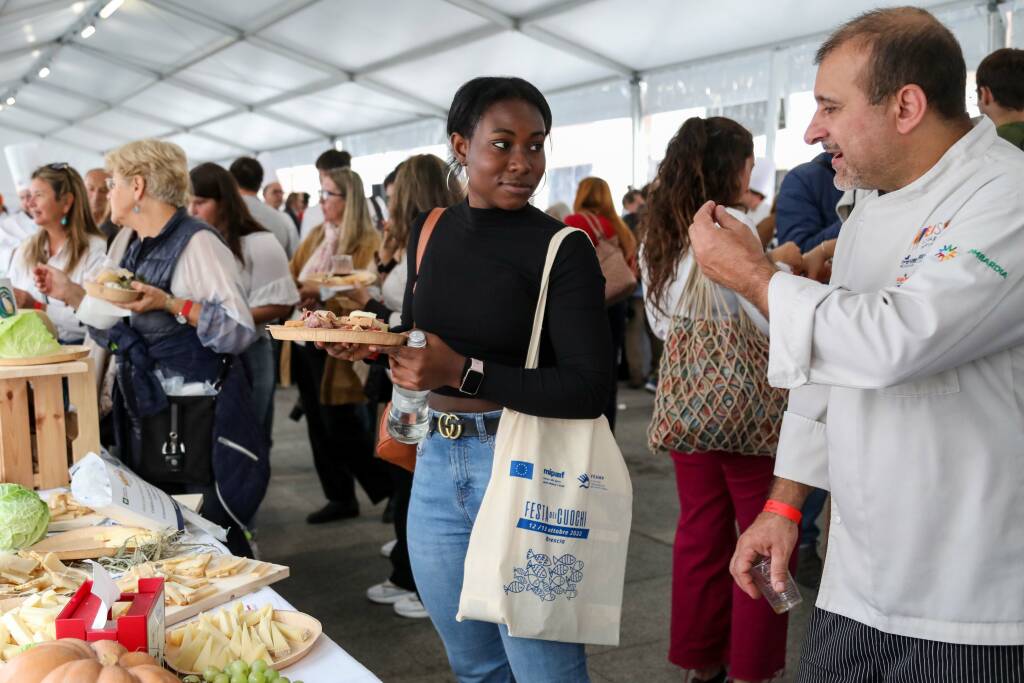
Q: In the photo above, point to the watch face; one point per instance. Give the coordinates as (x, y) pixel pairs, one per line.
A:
(471, 382)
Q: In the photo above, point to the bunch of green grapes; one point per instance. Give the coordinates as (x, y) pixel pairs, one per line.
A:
(239, 671)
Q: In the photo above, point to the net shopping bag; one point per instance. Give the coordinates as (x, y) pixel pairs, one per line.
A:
(547, 554)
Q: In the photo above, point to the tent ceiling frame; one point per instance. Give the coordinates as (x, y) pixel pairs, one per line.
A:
(526, 26)
(498, 22)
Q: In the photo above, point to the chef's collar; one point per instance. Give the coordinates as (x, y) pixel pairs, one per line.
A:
(981, 136)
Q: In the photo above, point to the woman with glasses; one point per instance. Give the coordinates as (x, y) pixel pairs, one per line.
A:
(67, 240)
(189, 326)
(330, 389)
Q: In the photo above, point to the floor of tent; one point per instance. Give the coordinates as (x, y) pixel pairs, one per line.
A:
(332, 565)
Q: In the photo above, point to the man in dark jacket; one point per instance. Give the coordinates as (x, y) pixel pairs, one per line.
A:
(805, 209)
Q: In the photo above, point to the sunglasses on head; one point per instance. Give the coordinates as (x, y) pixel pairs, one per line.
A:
(62, 166)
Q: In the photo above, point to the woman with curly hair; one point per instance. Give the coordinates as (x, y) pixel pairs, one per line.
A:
(714, 624)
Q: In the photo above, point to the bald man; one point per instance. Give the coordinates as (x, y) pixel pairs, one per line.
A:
(96, 188)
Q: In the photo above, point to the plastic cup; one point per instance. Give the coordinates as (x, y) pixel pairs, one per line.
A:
(782, 602)
(341, 264)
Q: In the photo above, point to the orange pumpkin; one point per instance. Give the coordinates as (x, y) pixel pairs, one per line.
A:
(74, 661)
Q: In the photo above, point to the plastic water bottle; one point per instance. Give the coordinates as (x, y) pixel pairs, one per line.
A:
(409, 415)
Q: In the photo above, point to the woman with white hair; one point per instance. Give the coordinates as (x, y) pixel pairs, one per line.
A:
(191, 322)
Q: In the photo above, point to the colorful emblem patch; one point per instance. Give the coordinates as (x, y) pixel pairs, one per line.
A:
(929, 233)
(946, 253)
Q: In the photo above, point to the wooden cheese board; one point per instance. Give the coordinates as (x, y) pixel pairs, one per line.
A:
(320, 334)
(227, 589)
(65, 355)
(90, 542)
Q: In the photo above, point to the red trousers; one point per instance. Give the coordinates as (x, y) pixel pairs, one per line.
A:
(713, 621)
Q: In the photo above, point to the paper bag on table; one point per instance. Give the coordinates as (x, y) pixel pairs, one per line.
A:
(118, 493)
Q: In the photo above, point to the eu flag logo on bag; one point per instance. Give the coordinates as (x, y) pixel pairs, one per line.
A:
(523, 470)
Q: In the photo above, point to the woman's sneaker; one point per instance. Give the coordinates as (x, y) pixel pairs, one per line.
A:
(411, 608)
(387, 593)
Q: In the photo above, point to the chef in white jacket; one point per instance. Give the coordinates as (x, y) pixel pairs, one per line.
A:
(906, 371)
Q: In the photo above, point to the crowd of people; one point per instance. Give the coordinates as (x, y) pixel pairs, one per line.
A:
(901, 351)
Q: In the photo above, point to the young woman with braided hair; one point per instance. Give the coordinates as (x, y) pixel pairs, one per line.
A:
(714, 624)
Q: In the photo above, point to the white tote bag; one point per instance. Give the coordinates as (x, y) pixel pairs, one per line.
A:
(547, 555)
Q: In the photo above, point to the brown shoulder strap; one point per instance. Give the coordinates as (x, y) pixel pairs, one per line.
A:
(425, 233)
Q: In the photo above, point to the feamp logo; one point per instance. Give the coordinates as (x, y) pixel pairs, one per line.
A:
(584, 481)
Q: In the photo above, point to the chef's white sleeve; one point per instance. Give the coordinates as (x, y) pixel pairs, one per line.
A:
(961, 303)
(802, 454)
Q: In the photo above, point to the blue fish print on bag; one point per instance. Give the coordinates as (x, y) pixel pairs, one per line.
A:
(547, 577)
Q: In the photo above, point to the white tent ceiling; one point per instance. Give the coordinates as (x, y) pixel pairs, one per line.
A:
(244, 76)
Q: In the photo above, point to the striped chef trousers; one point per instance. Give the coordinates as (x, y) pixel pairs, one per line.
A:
(841, 650)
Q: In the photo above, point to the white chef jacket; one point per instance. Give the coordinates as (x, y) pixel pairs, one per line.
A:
(915, 353)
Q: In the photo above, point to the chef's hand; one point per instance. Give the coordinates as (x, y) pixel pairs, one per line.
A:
(55, 283)
(789, 254)
(431, 367)
(23, 299)
(770, 535)
(153, 299)
(731, 255)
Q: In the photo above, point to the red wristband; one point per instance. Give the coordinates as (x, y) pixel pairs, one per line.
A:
(186, 308)
(37, 305)
(787, 511)
(373, 356)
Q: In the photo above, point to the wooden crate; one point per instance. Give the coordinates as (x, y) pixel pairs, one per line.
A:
(48, 436)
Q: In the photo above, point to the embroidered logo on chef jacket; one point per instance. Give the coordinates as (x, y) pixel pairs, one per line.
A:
(927, 235)
(996, 268)
(919, 250)
(946, 253)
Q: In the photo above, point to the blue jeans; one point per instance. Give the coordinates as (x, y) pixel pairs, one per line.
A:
(260, 356)
(448, 487)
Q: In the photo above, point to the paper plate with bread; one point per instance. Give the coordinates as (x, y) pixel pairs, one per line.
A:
(114, 285)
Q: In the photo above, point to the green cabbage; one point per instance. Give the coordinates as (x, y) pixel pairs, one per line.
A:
(24, 335)
(24, 517)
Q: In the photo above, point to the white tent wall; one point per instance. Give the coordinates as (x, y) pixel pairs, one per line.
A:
(288, 79)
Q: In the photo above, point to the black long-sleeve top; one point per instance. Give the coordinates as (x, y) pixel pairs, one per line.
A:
(477, 289)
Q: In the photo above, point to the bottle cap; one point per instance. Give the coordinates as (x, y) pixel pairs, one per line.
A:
(417, 339)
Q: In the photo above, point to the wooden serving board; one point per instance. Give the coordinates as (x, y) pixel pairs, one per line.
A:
(114, 295)
(317, 334)
(291, 618)
(65, 355)
(229, 588)
(88, 542)
(353, 279)
(192, 501)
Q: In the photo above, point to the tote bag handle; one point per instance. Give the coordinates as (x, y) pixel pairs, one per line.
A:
(533, 354)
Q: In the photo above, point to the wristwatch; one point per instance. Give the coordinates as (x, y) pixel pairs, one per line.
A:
(472, 376)
(182, 315)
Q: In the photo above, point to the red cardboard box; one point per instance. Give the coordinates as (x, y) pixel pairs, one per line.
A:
(140, 629)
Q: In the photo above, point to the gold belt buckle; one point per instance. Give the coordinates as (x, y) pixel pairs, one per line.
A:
(449, 425)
